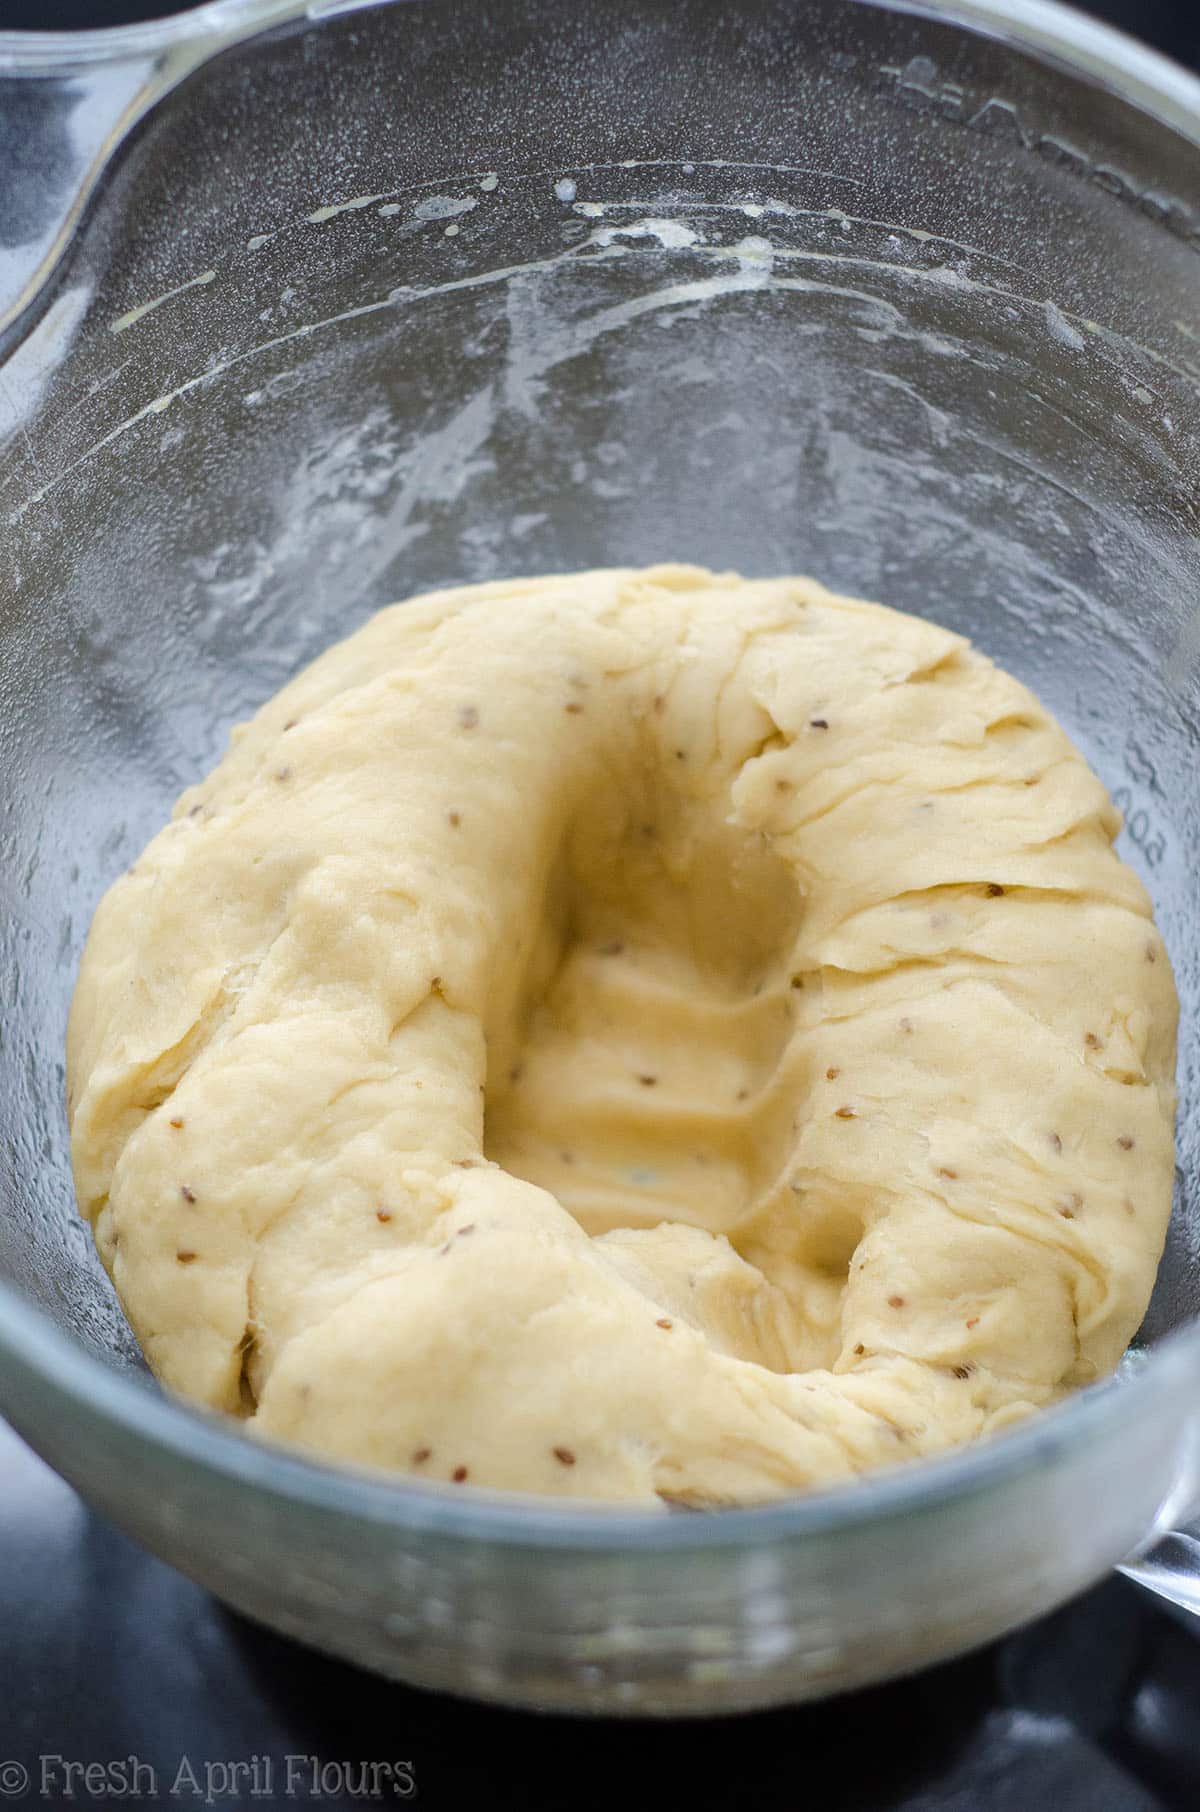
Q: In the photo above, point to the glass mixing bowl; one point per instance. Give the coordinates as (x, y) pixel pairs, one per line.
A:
(307, 310)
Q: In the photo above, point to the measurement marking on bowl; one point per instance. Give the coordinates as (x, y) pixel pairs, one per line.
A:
(147, 308)
(921, 85)
(1140, 827)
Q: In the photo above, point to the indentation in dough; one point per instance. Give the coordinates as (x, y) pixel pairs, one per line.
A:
(659, 980)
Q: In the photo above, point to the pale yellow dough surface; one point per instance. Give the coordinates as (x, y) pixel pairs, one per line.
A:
(635, 1035)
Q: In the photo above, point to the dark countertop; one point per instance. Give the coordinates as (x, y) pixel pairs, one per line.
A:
(110, 1655)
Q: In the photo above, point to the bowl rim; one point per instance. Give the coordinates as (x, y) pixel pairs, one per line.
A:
(1057, 34)
(34, 1349)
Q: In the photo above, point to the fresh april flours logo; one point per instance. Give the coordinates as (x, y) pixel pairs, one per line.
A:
(61, 1779)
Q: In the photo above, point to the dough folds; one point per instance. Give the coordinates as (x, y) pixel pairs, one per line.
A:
(639, 1034)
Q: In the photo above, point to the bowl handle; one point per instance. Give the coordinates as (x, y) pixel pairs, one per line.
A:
(1171, 1570)
(68, 100)
(1168, 1562)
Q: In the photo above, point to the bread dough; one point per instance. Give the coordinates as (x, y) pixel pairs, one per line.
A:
(640, 1035)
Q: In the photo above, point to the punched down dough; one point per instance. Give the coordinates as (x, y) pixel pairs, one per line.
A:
(643, 1035)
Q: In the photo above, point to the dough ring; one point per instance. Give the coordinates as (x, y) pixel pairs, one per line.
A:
(639, 1035)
